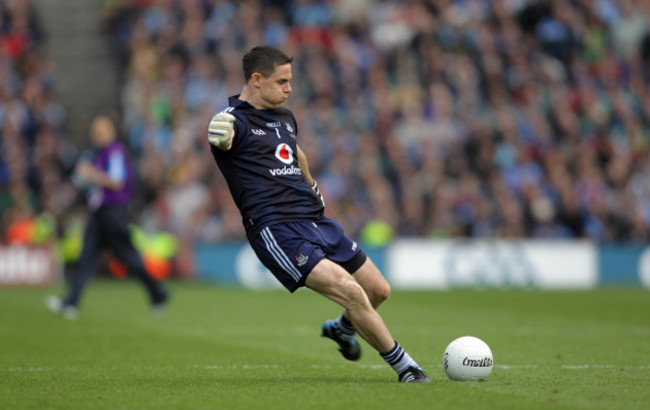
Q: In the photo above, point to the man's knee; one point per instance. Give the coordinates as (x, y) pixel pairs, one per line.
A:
(383, 292)
(379, 293)
(372, 281)
(333, 282)
(353, 294)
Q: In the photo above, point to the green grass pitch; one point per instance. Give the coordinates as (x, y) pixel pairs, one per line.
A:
(231, 348)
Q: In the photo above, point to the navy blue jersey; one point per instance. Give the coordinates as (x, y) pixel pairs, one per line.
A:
(262, 170)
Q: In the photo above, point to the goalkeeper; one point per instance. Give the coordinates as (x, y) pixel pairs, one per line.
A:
(254, 144)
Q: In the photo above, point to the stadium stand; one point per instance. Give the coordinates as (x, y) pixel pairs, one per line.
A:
(35, 159)
(503, 118)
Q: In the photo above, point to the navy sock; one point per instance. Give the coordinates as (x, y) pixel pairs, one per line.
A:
(344, 328)
(398, 359)
(345, 325)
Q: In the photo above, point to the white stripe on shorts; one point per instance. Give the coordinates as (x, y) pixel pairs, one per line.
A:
(278, 254)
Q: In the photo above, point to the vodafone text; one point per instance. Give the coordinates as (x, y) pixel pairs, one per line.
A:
(292, 170)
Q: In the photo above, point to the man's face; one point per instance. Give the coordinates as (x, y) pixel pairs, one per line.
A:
(275, 89)
(102, 132)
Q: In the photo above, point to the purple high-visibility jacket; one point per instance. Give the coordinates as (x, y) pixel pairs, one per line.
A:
(114, 160)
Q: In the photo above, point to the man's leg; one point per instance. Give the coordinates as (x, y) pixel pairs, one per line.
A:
(86, 264)
(373, 283)
(333, 282)
(341, 329)
(119, 238)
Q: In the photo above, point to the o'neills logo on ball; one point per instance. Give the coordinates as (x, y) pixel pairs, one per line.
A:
(284, 153)
(482, 362)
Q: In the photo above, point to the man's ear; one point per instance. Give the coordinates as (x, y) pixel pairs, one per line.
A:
(256, 80)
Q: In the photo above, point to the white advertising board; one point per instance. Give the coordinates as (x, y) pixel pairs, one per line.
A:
(418, 264)
(26, 265)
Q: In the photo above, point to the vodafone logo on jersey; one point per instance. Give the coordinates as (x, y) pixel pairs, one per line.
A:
(284, 153)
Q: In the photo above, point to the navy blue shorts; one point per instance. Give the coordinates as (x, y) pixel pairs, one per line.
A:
(290, 250)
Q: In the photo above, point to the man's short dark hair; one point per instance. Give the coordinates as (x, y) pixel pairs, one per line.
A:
(263, 60)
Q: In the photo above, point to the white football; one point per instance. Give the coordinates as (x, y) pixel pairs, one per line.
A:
(468, 358)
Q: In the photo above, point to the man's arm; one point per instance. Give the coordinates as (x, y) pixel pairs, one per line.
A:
(304, 166)
(99, 177)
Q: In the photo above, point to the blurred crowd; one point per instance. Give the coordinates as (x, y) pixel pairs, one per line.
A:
(35, 159)
(446, 118)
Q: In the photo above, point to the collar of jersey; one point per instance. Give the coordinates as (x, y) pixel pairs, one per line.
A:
(234, 101)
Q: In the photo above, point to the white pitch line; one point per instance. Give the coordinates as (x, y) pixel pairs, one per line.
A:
(602, 366)
(340, 366)
(238, 366)
(382, 366)
(572, 366)
(515, 366)
(362, 366)
(30, 369)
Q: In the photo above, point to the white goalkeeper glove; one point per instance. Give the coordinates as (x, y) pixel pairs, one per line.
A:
(317, 192)
(222, 130)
